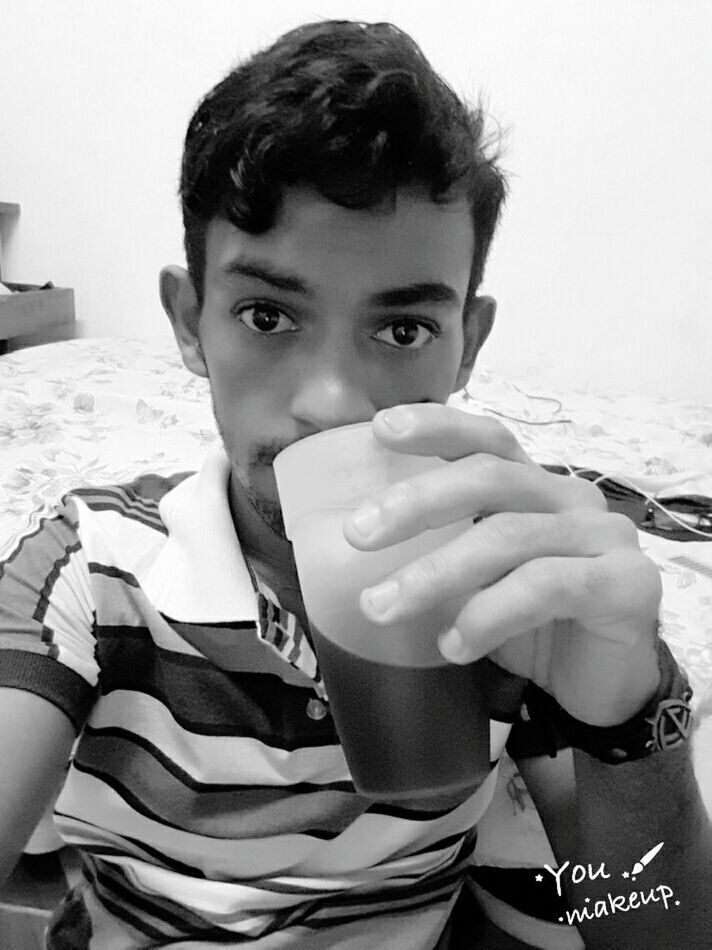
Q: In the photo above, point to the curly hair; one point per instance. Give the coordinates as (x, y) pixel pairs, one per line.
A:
(352, 109)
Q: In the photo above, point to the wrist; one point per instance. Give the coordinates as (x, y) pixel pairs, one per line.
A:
(663, 723)
(644, 682)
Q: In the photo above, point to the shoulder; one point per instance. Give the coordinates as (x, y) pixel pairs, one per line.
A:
(139, 498)
(119, 514)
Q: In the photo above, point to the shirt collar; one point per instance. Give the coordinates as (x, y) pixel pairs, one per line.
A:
(200, 575)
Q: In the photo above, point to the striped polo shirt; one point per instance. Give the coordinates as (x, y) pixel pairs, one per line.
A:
(207, 791)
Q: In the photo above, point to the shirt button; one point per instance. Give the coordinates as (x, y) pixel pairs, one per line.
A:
(316, 709)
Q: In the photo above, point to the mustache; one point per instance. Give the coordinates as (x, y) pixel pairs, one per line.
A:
(266, 454)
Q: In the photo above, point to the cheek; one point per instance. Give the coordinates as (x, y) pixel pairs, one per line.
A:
(235, 375)
(248, 404)
(433, 379)
(243, 411)
(452, 356)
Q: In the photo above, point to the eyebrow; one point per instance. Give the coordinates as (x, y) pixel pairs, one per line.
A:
(264, 272)
(424, 292)
(420, 292)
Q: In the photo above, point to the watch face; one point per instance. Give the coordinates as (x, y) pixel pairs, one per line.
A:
(671, 724)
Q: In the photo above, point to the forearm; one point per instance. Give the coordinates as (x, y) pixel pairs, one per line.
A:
(622, 811)
(35, 743)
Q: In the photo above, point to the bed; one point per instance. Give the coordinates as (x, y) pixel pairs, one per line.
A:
(98, 411)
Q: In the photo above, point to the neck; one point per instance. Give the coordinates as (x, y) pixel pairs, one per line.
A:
(268, 551)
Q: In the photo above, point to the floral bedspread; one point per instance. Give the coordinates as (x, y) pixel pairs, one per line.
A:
(97, 411)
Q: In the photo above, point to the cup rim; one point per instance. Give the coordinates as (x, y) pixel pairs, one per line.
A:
(324, 433)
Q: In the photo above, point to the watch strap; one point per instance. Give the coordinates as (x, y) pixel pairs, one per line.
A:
(665, 722)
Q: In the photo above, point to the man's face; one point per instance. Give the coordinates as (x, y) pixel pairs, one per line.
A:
(328, 317)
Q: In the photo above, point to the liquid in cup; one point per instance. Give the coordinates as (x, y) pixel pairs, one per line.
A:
(411, 724)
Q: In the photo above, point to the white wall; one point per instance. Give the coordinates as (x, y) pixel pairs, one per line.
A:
(602, 267)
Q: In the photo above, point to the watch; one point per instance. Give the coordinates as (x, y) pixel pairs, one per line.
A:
(665, 722)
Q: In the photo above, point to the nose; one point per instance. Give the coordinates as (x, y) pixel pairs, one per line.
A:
(331, 390)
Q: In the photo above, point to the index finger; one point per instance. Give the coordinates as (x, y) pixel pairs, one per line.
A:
(450, 433)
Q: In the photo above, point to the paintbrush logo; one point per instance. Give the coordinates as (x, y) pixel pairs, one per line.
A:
(640, 865)
(612, 903)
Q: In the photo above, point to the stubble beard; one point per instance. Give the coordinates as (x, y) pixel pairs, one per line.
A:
(267, 509)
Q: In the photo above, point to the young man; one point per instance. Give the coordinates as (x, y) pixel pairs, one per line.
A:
(338, 205)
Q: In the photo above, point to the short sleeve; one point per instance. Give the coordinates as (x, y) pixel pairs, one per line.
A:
(47, 615)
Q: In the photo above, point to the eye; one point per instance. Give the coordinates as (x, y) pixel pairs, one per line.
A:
(264, 318)
(407, 334)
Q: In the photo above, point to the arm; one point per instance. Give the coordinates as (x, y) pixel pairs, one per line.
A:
(558, 592)
(35, 744)
(597, 814)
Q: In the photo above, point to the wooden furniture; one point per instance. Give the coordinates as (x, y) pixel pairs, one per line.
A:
(32, 315)
(8, 211)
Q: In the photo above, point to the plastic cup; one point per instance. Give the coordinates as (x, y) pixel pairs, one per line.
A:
(411, 724)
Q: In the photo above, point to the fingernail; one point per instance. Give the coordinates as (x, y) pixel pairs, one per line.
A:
(381, 597)
(452, 646)
(366, 519)
(398, 420)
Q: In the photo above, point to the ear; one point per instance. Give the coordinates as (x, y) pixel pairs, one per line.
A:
(478, 321)
(181, 304)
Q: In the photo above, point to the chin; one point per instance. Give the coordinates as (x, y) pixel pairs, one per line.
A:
(267, 505)
(269, 510)
(271, 514)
